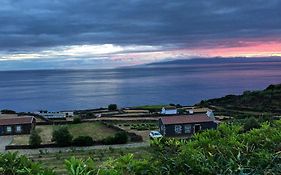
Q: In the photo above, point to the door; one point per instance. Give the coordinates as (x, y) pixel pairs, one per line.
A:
(197, 128)
(1, 131)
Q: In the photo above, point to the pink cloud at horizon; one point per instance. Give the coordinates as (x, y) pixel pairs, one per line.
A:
(243, 49)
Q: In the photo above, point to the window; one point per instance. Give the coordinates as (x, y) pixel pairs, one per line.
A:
(18, 128)
(9, 129)
(187, 129)
(178, 129)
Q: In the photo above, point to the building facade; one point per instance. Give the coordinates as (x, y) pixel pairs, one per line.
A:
(185, 126)
(169, 111)
(51, 115)
(16, 125)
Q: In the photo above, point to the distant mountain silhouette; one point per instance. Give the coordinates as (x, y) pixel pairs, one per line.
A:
(216, 60)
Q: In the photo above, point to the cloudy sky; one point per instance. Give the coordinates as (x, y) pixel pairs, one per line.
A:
(47, 34)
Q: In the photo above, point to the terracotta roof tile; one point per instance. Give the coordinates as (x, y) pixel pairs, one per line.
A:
(16, 120)
(196, 118)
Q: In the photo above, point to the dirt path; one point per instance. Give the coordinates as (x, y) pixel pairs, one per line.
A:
(5, 140)
(69, 149)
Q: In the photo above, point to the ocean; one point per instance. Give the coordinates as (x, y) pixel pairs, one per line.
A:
(185, 83)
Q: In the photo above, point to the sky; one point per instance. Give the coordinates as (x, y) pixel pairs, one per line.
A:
(57, 34)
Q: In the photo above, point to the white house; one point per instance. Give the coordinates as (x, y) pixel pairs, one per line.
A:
(51, 115)
(68, 113)
(169, 110)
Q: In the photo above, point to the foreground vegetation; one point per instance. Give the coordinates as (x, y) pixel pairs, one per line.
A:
(231, 149)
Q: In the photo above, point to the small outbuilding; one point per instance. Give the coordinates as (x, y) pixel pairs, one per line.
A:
(16, 125)
(169, 110)
(185, 125)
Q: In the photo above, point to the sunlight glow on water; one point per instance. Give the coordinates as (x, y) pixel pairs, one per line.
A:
(81, 89)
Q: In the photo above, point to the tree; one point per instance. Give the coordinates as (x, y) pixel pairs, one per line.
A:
(34, 139)
(8, 111)
(62, 136)
(112, 107)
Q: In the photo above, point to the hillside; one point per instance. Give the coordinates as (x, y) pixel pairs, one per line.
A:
(267, 100)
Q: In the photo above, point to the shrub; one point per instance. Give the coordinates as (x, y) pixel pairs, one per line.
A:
(76, 120)
(109, 140)
(121, 137)
(112, 107)
(62, 136)
(83, 141)
(34, 139)
(251, 123)
(118, 138)
(134, 137)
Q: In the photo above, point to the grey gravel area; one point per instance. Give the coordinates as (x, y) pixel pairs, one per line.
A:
(5, 140)
(69, 149)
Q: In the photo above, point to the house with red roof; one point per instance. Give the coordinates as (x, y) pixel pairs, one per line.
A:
(185, 125)
(16, 125)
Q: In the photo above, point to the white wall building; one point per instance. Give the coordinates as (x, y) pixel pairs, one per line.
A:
(51, 115)
(68, 113)
(210, 114)
(169, 111)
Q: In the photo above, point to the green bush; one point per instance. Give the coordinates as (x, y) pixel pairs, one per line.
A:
(118, 138)
(134, 137)
(251, 123)
(112, 107)
(62, 136)
(15, 164)
(76, 120)
(121, 137)
(83, 141)
(34, 139)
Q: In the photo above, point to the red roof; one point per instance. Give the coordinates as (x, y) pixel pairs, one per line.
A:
(196, 118)
(16, 120)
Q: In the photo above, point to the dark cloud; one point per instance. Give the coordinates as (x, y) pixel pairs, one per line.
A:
(28, 24)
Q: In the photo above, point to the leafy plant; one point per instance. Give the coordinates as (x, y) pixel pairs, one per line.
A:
(34, 139)
(62, 136)
(15, 164)
(83, 141)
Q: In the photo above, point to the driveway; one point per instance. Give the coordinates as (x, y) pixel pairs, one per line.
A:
(5, 140)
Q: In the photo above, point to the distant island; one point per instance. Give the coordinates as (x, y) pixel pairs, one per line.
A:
(215, 60)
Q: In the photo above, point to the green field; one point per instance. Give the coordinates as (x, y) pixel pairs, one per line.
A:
(96, 130)
(150, 107)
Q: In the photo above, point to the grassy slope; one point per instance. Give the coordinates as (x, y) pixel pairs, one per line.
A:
(267, 100)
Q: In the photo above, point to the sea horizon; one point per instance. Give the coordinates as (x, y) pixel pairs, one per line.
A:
(162, 83)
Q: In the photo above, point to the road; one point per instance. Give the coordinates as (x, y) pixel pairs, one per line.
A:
(5, 140)
(69, 149)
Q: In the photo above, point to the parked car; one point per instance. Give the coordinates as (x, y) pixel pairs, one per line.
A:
(155, 134)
